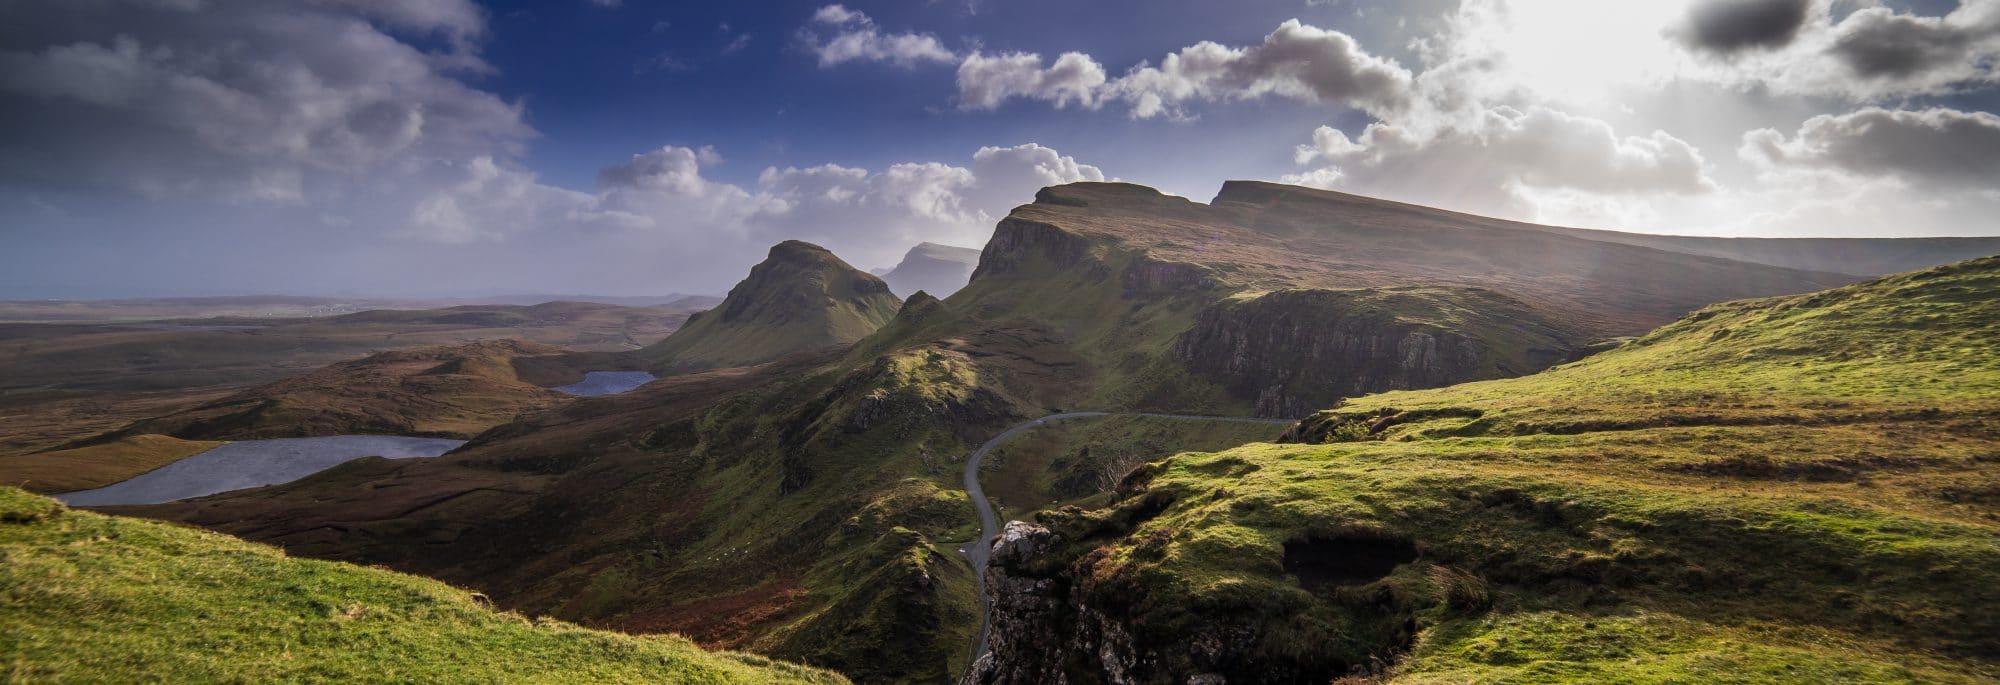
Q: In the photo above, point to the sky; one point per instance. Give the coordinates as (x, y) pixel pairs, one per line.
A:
(627, 147)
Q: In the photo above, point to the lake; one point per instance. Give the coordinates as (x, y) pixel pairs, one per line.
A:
(253, 463)
(596, 383)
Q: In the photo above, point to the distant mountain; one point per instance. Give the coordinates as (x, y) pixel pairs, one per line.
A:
(800, 298)
(668, 300)
(293, 307)
(932, 268)
(694, 302)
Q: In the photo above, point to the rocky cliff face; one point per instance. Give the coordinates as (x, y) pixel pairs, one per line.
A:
(1054, 624)
(1297, 351)
(1018, 241)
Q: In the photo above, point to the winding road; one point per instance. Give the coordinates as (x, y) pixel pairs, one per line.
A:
(977, 551)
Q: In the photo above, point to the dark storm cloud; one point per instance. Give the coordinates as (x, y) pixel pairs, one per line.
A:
(1941, 146)
(1878, 43)
(239, 99)
(1728, 26)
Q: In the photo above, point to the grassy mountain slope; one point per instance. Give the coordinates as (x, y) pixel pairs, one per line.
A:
(93, 598)
(801, 298)
(1793, 489)
(808, 508)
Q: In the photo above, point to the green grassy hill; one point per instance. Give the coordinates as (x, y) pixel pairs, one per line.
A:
(799, 299)
(92, 598)
(1795, 489)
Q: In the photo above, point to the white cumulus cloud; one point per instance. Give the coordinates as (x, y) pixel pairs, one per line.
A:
(853, 37)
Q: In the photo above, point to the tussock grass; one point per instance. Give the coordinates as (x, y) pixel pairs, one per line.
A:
(92, 598)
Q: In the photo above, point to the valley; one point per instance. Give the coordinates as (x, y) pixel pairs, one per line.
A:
(813, 469)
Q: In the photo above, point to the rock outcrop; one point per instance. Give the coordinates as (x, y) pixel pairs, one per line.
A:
(1050, 628)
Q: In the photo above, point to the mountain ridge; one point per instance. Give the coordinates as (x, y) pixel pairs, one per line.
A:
(800, 298)
(1858, 257)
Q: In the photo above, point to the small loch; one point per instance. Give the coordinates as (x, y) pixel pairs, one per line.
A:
(598, 383)
(254, 463)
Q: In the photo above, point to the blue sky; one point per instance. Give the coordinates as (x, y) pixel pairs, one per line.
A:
(427, 147)
(766, 104)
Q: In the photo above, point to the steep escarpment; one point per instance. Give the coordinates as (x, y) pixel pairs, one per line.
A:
(1792, 489)
(801, 298)
(1296, 351)
(932, 268)
(1855, 257)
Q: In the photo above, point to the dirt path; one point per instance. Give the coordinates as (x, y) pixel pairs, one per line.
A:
(977, 551)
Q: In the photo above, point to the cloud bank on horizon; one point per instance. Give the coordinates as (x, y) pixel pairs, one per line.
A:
(448, 146)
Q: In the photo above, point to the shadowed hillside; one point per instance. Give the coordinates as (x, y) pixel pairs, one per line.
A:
(1794, 489)
(800, 299)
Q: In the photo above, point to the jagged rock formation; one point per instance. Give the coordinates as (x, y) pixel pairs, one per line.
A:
(1298, 351)
(799, 299)
(936, 269)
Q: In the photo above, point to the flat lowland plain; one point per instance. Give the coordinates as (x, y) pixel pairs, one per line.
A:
(60, 383)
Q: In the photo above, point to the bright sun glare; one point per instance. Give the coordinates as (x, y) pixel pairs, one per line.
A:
(1577, 50)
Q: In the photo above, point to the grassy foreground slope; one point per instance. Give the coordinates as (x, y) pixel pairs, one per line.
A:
(93, 598)
(1795, 489)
